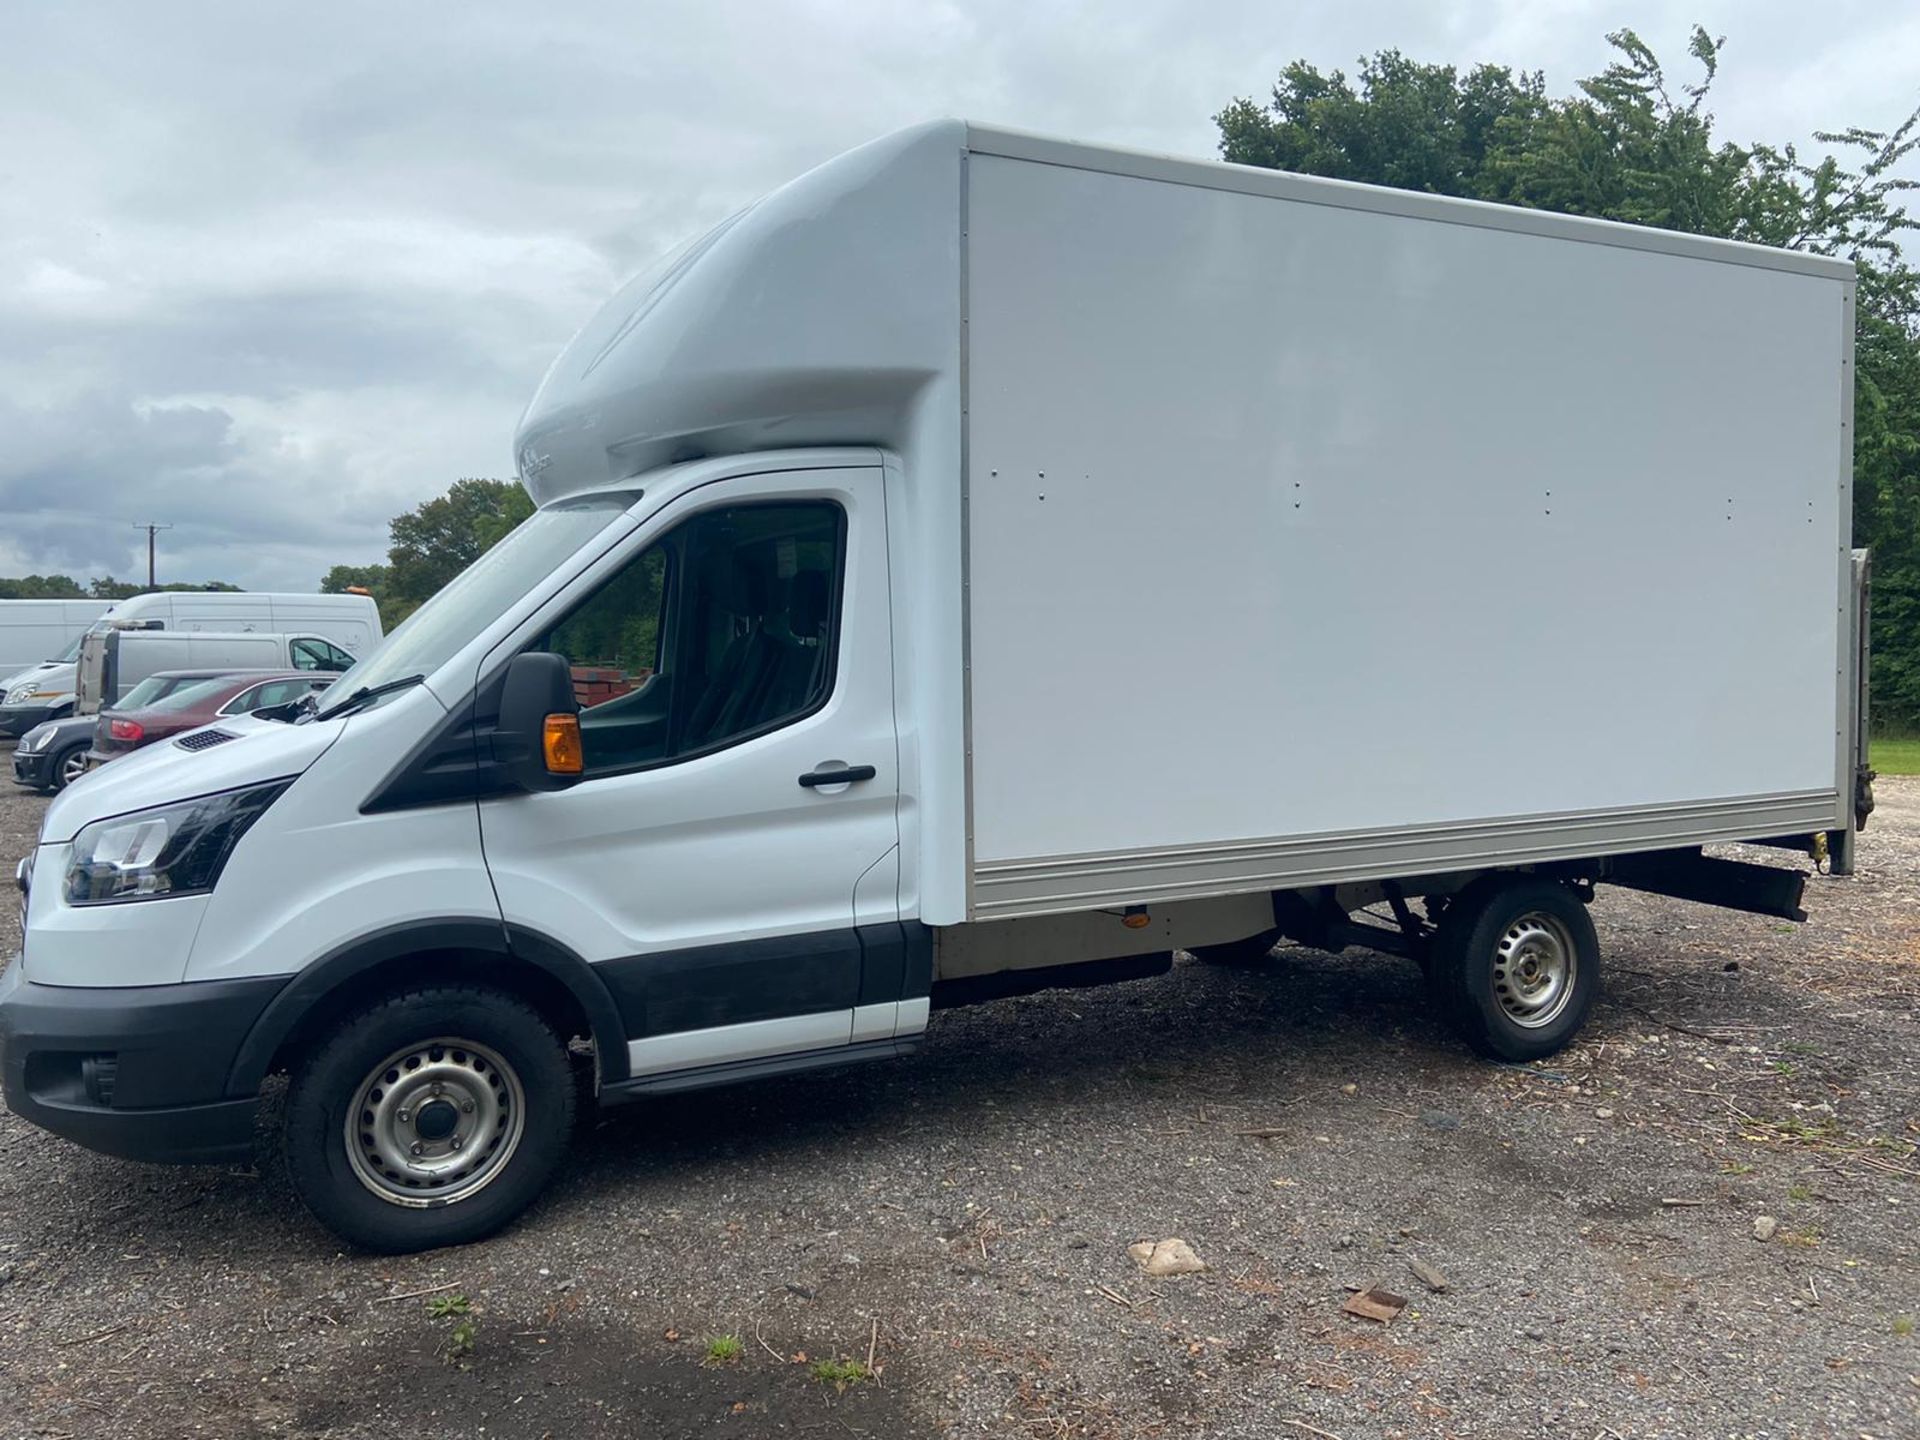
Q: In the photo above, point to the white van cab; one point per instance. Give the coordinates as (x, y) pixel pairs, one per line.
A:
(988, 564)
(36, 632)
(46, 691)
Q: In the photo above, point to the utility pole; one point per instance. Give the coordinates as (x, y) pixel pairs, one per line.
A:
(151, 529)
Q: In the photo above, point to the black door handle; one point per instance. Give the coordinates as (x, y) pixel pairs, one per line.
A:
(837, 777)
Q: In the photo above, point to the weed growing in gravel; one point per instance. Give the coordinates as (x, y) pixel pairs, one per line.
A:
(1736, 1167)
(840, 1373)
(724, 1350)
(1807, 1236)
(1799, 1192)
(1903, 1325)
(458, 1309)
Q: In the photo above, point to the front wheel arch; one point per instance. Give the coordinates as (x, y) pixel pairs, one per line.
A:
(557, 983)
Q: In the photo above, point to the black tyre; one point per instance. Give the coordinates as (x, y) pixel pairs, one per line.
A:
(1250, 951)
(66, 767)
(1516, 966)
(430, 1118)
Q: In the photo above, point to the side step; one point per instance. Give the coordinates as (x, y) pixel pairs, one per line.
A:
(767, 1067)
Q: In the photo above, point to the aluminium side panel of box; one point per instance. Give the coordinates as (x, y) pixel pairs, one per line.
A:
(1318, 534)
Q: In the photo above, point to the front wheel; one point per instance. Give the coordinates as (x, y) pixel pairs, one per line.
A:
(1517, 965)
(430, 1118)
(66, 767)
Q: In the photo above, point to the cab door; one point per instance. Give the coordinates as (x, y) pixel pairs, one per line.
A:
(734, 829)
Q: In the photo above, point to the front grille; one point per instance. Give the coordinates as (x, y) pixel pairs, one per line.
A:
(204, 739)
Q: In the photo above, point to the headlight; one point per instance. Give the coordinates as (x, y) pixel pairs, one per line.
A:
(36, 739)
(169, 850)
(20, 694)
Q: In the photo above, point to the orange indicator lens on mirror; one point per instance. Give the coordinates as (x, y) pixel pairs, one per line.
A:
(565, 755)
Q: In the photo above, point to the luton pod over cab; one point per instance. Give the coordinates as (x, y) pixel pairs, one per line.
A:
(984, 564)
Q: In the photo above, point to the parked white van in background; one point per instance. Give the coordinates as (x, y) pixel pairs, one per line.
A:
(46, 691)
(989, 563)
(36, 631)
(112, 662)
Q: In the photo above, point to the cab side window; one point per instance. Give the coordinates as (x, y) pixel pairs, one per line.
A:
(319, 655)
(721, 630)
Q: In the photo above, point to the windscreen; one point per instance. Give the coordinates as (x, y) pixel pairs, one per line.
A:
(146, 692)
(71, 653)
(478, 595)
(175, 695)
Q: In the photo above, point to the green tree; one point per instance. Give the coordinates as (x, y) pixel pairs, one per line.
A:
(1628, 147)
(436, 540)
(516, 505)
(41, 587)
(107, 588)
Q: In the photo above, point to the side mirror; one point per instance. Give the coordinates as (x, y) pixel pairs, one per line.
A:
(537, 738)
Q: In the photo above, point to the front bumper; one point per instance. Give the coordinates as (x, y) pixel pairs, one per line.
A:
(34, 771)
(16, 720)
(139, 1072)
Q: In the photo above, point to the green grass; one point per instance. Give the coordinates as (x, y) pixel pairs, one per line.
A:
(840, 1373)
(724, 1350)
(1895, 754)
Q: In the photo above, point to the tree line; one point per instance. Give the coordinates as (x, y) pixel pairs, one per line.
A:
(65, 587)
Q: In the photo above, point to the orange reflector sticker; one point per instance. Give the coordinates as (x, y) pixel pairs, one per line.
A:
(565, 755)
(1136, 919)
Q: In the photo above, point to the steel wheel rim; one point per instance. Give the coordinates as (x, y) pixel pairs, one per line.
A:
(73, 767)
(435, 1123)
(1535, 965)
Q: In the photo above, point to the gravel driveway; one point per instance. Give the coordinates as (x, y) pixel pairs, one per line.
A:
(963, 1220)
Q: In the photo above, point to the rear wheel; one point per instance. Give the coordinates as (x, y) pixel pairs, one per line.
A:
(1517, 966)
(1250, 951)
(431, 1118)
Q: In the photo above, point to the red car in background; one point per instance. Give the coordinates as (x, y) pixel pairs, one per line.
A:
(176, 701)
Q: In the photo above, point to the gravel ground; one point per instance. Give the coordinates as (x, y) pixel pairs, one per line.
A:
(964, 1217)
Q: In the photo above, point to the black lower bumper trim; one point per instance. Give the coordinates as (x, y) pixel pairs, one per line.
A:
(33, 771)
(178, 1135)
(138, 1072)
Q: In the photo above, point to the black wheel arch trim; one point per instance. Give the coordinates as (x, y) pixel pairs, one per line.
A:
(325, 977)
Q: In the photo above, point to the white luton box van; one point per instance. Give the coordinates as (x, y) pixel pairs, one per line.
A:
(990, 563)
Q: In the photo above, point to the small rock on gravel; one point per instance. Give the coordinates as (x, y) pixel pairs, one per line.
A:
(1172, 1256)
(1427, 1275)
(1764, 1226)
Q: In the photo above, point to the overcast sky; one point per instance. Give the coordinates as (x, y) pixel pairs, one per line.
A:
(274, 274)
